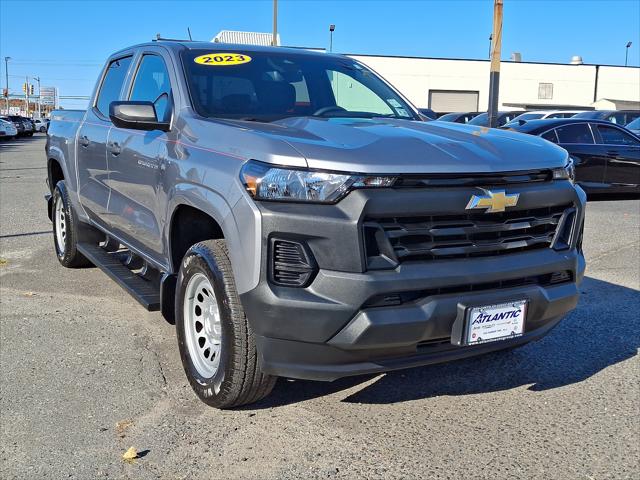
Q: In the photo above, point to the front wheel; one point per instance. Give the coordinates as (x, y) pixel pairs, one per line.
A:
(217, 346)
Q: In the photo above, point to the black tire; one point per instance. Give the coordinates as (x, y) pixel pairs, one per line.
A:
(239, 379)
(69, 256)
(43, 129)
(30, 134)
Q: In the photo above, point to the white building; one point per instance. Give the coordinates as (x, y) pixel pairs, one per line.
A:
(448, 85)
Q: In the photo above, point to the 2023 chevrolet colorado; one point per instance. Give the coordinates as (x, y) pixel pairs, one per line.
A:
(295, 216)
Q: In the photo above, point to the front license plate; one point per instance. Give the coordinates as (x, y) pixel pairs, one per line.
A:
(496, 322)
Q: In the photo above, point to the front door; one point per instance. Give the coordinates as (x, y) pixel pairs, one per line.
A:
(623, 157)
(93, 167)
(578, 140)
(137, 205)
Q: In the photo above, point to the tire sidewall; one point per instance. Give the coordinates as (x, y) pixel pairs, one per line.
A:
(200, 259)
(60, 192)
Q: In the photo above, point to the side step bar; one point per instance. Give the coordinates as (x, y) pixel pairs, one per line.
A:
(145, 292)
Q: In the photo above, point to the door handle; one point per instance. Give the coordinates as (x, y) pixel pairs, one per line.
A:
(84, 141)
(115, 149)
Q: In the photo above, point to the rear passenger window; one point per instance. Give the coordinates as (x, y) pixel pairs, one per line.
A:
(615, 136)
(551, 136)
(574, 133)
(152, 85)
(112, 84)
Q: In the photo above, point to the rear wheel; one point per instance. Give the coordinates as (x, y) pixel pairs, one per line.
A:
(65, 229)
(217, 346)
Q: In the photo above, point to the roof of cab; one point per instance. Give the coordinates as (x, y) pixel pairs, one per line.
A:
(530, 126)
(178, 45)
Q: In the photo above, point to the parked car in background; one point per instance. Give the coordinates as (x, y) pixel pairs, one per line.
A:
(41, 124)
(458, 117)
(606, 156)
(27, 126)
(482, 120)
(7, 129)
(619, 117)
(17, 123)
(427, 112)
(634, 126)
(542, 114)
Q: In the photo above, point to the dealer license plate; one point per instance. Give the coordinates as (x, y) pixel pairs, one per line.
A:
(496, 322)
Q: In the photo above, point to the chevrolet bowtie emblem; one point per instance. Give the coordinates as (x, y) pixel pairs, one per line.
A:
(493, 201)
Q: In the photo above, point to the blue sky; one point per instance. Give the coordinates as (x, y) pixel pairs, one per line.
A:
(74, 37)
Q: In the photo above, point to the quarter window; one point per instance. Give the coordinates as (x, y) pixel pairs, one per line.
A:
(551, 136)
(152, 84)
(112, 84)
(574, 133)
(615, 136)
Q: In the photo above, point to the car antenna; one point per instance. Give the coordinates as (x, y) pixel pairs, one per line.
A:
(189, 31)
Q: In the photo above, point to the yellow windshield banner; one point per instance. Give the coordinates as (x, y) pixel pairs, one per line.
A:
(222, 59)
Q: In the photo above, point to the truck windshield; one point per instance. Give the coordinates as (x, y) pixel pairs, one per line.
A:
(267, 86)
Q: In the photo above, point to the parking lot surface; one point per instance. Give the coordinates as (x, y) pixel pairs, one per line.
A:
(86, 373)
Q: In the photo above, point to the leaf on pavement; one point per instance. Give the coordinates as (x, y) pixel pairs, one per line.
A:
(130, 454)
(121, 426)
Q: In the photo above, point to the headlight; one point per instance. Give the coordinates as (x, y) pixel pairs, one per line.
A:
(266, 182)
(568, 172)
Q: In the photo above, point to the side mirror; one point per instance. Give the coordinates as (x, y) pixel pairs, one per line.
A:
(136, 115)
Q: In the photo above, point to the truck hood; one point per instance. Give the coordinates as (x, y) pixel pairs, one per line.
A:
(383, 145)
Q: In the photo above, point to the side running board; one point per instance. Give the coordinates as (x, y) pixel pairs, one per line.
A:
(146, 292)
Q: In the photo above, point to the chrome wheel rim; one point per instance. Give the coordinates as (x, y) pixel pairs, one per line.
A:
(202, 327)
(61, 226)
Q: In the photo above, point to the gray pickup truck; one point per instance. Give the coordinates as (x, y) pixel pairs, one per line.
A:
(295, 216)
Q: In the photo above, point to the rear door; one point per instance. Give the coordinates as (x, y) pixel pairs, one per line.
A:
(589, 158)
(93, 169)
(138, 200)
(622, 151)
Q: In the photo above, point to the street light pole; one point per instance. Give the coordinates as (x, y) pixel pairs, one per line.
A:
(37, 79)
(494, 75)
(490, 42)
(6, 84)
(626, 53)
(274, 39)
(332, 27)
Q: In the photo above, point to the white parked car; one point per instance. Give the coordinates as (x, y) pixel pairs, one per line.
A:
(542, 114)
(41, 124)
(7, 129)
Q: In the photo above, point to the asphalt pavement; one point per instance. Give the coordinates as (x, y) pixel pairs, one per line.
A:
(86, 373)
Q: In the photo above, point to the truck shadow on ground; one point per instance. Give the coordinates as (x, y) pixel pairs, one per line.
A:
(602, 331)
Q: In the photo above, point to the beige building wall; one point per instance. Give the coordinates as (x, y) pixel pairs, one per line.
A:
(520, 83)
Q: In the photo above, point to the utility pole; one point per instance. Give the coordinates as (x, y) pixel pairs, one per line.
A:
(37, 79)
(6, 80)
(274, 39)
(494, 75)
(26, 97)
(332, 27)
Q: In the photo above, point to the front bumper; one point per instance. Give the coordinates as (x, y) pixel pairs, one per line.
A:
(331, 328)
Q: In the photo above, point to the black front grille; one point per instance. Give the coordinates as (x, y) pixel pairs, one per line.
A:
(463, 236)
(475, 180)
(291, 264)
(398, 298)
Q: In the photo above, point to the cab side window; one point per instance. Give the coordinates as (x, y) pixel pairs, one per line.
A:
(575, 133)
(152, 84)
(112, 84)
(615, 136)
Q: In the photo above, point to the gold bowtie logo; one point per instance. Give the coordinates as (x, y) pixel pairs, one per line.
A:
(493, 201)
